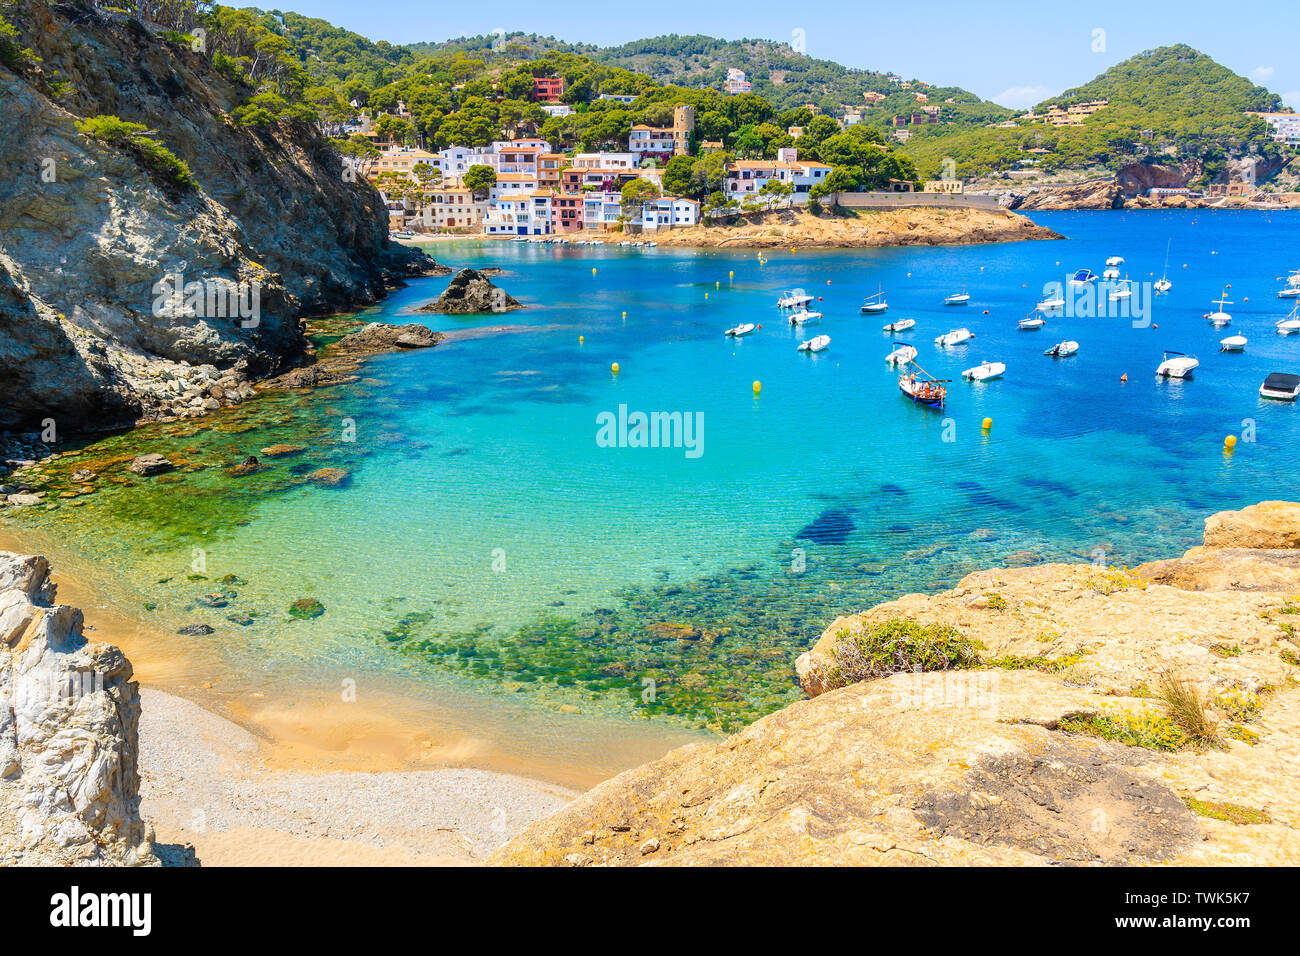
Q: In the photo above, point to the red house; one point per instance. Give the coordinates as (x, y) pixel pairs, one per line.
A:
(547, 89)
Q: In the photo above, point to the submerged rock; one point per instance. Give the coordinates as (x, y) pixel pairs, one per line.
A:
(282, 451)
(832, 526)
(152, 464)
(469, 292)
(306, 609)
(195, 630)
(329, 477)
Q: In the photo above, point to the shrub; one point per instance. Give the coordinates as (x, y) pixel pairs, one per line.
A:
(899, 645)
(12, 53)
(1153, 731)
(1186, 707)
(1230, 812)
(1237, 704)
(115, 131)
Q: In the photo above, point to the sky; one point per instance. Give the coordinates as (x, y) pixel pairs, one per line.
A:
(1015, 52)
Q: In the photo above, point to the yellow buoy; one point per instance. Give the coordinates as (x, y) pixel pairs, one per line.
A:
(793, 249)
(717, 285)
(593, 270)
(731, 274)
(706, 295)
(581, 339)
(1230, 442)
(988, 423)
(625, 315)
(614, 368)
(758, 386)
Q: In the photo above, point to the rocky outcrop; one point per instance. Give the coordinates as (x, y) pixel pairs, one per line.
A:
(471, 292)
(1065, 743)
(93, 244)
(68, 744)
(340, 361)
(910, 226)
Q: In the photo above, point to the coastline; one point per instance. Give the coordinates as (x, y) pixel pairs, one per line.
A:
(250, 775)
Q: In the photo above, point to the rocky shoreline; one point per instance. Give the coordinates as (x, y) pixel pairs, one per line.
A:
(860, 229)
(1048, 715)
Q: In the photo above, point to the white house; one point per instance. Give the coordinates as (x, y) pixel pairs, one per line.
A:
(649, 139)
(600, 210)
(521, 214)
(746, 177)
(669, 212)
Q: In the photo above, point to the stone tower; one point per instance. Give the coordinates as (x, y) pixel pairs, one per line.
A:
(683, 127)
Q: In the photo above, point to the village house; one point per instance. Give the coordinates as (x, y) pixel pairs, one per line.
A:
(452, 208)
(747, 177)
(736, 82)
(668, 213)
(547, 89)
(1072, 115)
(1284, 127)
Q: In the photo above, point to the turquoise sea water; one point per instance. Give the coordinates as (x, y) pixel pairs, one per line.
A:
(487, 538)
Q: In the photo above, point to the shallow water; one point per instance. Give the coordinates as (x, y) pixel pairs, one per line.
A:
(488, 539)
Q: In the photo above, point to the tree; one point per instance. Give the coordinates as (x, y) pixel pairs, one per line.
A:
(635, 194)
(678, 176)
(479, 179)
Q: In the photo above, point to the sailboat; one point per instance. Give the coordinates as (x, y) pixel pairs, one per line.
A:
(959, 298)
(875, 303)
(1163, 284)
(1292, 288)
(1122, 290)
(1291, 323)
(1221, 318)
(923, 388)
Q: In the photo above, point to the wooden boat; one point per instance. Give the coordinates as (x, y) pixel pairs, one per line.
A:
(922, 388)
(875, 303)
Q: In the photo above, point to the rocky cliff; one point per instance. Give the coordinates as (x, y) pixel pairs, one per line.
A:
(1128, 188)
(1086, 715)
(69, 786)
(272, 229)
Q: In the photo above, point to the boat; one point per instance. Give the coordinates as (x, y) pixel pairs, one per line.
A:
(1032, 321)
(1233, 343)
(738, 331)
(1221, 318)
(922, 388)
(1122, 290)
(901, 355)
(985, 371)
(804, 317)
(793, 300)
(1050, 305)
(1112, 267)
(1062, 349)
(902, 325)
(1291, 323)
(1083, 277)
(1177, 366)
(1292, 288)
(1115, 261)
(815, 344)
(958, 298)
(1282, 386)
(955, 337)
(875, 303)
(1163, 284)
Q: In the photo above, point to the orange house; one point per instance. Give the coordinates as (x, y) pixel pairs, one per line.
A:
(547, 89)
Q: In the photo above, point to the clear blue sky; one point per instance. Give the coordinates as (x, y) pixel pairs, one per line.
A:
(1013, 51)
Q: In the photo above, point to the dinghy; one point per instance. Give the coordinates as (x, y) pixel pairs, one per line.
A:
(738, 331)
(804, 317)
(1062, 349)
(1122, 290)
(1112, 267)
(793, 300)
(902, 325)
(985, 371)
(955, 337)
(901, 355)
(1233, 343)
(815, 344)
(1282, 386)
(1031, 322)
(1050, 305)
(1177, 365)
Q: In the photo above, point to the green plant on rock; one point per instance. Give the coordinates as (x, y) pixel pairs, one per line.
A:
(115, 131)
(899, 645)
(1110, 580)
(1229, 812)
(1237, 704)
(1152, 731)
(1188, 708)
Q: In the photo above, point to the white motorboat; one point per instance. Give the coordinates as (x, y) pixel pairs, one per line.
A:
(1122, 290)
(1062, 349)
(1292, 288)
(985, 371)
(815, 344)
(1177, 365)
(1220, 318)
(804, 317)
(1115, 261)
(743, 329)
(1163, 284)
(901, 355)
(1032, 321)
(955, 337)
(1282, 386)
(1082, 278)
(1054, 304)
(902, 325)
(875, 303)
(1291, 323)
(1112, 267)
(958, 298)
(793, 300)
(1233, 343)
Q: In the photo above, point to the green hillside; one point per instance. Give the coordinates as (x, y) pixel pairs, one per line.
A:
(1167, 104)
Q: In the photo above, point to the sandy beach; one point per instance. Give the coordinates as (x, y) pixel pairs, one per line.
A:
(234, 772)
